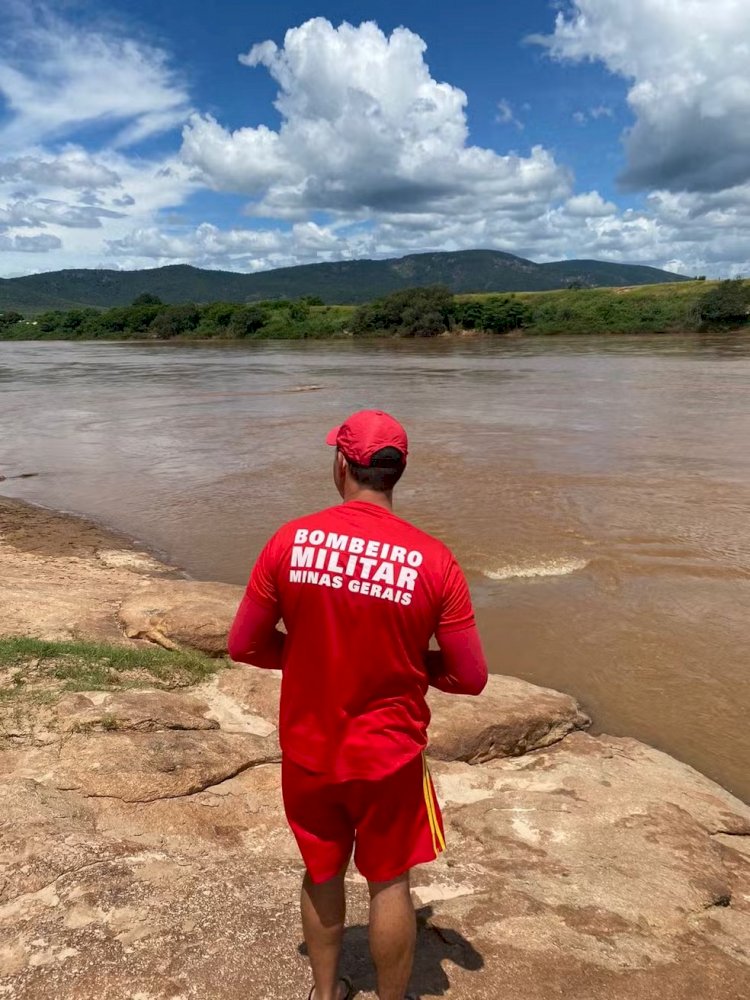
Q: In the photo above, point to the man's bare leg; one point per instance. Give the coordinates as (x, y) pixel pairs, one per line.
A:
(393, 935)
(323, 915)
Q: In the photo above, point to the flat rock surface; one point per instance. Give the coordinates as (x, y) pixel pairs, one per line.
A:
(143, 767)
(142, 711)
(510, 718)
(182, 614)
(158, 865)
(604, 855)
(63, 577)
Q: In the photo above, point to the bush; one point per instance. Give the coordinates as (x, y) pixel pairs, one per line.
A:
(495, 314)
(505, 313)
(172, 321)
(299, 311)
(147, 299)
(469, 315)
(246, 321)
(413, 312)
(726, 304)
(10, 318)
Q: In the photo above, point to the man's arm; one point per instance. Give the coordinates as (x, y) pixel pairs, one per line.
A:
(459, 666)
(254, 637)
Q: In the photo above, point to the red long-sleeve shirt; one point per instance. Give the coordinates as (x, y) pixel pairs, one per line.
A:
(361, 592)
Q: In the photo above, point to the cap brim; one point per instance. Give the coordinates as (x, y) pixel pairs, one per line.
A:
(332, 436)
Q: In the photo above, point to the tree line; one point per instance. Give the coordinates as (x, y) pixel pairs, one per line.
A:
(415, 312)
(148, 318)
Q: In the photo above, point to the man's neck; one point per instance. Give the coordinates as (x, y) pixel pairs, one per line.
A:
(378, 499)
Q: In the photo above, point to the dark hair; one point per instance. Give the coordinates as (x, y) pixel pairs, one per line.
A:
(384, 471)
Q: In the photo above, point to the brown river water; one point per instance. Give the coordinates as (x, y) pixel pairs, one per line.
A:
(596, 490)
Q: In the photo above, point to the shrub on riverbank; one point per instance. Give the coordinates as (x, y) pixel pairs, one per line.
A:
(727, 304)
(427, 312)
(493, 314)
(413, 312)
(617, 310)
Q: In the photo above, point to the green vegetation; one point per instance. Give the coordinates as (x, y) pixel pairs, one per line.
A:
(349, 281)
(412, 312)
(36, 670)
(154, 320)
(727, 304)
(426, 312)
(416, 312)
(655, 309)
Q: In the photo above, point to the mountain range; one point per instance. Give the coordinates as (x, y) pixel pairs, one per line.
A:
(341, 282)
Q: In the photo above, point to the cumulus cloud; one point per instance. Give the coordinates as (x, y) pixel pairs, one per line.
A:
(36, 192)
(590, 205)
(72, 168)
(42, 243)
(365, 129)
(372, 158)
(56, 77)
(242, 249)
(47, 210)
(683, 233)
(689, 68)
(205, 242)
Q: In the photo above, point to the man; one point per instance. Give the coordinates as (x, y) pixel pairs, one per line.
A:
(361, 592)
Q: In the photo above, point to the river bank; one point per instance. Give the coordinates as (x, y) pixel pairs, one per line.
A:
(145, 854)
(688, 306)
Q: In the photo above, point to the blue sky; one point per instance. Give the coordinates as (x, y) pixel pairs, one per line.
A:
(247, 135)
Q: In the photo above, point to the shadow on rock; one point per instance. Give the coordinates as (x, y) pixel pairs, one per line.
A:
(436, 946)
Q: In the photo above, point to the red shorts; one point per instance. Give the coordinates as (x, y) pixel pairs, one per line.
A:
(392, 824)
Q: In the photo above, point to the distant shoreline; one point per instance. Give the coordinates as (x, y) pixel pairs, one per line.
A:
(453, 335)
(417, 313)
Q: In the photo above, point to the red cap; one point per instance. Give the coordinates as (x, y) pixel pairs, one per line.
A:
(365, 433)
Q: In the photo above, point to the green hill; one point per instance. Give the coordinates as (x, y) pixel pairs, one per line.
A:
(350, 281)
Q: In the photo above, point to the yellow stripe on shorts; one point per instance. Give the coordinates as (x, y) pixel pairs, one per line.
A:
(438, 843)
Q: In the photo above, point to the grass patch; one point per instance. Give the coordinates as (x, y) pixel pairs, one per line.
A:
(34, 667)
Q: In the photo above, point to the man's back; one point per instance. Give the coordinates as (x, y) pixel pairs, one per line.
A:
(361, 591)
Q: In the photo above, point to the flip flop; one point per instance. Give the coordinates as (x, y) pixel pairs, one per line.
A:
(347, 985)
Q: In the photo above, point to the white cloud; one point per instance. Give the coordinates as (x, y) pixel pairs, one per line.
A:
(689, 68)
(506, 115)
(47, 210)
(594, 114)
(71, 168)
(243, 249)
(37, 192)
(56, 77)
(674, 231)
(42, 243)
(365, 130)
(206, 242)
(372, 159)
(590, 205)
